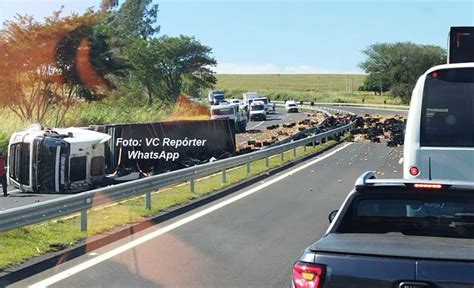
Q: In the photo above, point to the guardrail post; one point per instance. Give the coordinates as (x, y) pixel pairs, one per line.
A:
(267, 163)
(224, 176)
(304, 147)
(248, 166)
(294, 152)
(191, 185)
(148, 200)
(282, 155)
(83, 220)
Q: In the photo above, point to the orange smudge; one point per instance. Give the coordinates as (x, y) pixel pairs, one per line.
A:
(84, 66)
(187, 109)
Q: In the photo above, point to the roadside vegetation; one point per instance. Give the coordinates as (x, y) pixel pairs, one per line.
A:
(397, 66)
(109, 65)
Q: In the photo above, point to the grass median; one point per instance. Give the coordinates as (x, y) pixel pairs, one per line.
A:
(24, 243)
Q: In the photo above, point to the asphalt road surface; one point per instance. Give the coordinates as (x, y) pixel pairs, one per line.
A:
(279, 117)
(248, 239)
(17, 198)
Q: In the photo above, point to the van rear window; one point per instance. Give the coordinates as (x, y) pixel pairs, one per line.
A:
(447, 118)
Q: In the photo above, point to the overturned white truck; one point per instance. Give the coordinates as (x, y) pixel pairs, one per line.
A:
(70, 160)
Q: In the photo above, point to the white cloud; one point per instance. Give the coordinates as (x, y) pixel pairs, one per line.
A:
(237, 68)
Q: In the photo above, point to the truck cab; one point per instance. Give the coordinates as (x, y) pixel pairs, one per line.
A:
(214, 97)
(233, 112)
(56, 161)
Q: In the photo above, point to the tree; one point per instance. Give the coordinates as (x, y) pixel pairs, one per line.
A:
(144, 58)
(46, 66)
(399, 65)
(375, 83)
(183, 59)
(136, 19)
(108, 4)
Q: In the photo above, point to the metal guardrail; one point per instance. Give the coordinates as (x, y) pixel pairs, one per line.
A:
(381, 106)
(55, 208)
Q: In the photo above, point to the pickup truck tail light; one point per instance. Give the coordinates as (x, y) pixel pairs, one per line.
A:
(306, 275)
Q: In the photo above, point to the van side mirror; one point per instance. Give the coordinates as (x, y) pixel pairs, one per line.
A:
(332, 215)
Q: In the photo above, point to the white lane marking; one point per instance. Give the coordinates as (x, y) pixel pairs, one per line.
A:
(257, 125)
(116, 251)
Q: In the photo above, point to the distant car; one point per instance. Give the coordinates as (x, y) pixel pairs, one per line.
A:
(396, 234)
(257, 111)
(290, 106)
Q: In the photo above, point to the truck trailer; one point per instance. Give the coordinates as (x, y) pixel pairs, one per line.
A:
(70, 160)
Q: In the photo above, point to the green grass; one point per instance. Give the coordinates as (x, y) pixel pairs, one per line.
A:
(291, 82)
(25, 243)
(340, 88)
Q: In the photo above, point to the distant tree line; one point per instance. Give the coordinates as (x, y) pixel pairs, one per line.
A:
(397, 66)
(46, 67)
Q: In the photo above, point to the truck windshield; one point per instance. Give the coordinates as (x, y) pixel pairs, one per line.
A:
(422, 215)
(19, 161)
(51, 164)
(447, 117)
(222, 111)
(47, 165)
(256, 107)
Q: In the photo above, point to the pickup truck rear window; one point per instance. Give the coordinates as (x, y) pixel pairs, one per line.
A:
(423, 215)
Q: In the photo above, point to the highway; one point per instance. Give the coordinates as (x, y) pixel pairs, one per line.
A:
(279, 117)
(248, 239)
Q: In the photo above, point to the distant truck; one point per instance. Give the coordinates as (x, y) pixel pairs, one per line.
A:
(214, 97)
(70, 160)
(233, 112)
(249, 97)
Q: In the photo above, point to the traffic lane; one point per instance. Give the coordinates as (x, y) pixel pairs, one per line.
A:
(252, 242)
(279, 117)
(362, 111)
(16, 198)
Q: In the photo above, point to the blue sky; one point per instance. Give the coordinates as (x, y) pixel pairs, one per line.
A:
(289, 36)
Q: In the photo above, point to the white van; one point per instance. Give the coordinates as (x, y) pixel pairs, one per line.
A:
(439, 138)
(290, 106)
(257, 111)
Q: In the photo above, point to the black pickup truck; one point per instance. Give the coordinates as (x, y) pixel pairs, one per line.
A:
(395, 234)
